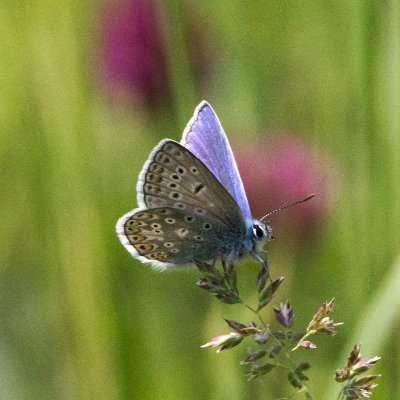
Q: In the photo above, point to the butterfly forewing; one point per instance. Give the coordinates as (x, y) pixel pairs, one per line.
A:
(175, 178)
(168, 235)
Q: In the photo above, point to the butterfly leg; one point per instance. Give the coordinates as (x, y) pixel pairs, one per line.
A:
(264, 263)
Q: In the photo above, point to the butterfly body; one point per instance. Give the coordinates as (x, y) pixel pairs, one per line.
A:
(192, 205)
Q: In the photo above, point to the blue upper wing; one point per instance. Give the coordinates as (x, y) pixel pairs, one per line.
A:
(206, 139)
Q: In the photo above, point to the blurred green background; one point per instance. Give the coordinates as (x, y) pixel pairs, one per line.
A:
(81, 319)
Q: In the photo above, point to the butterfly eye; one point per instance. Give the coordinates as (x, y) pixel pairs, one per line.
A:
(258, 231)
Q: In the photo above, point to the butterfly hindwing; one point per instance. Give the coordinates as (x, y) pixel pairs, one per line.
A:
(166, 236)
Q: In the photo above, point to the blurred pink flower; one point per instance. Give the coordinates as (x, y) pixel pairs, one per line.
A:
(131, 55)
(277, 170)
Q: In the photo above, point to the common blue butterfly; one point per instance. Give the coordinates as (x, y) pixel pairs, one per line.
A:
(192, 206)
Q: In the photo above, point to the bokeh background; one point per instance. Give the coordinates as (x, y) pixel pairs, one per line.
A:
(309, 95)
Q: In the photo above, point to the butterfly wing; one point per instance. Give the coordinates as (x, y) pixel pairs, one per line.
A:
(167, 237)
(206, 139)
(175, 180)
(175, 177)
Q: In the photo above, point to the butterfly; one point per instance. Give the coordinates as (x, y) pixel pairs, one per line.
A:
(192, 206)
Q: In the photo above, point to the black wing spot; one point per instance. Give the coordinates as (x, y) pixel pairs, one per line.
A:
(198, 187)
(175, 177)
(176, 195)
(181, 170)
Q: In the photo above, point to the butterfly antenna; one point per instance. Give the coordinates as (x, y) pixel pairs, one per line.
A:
(310, 196)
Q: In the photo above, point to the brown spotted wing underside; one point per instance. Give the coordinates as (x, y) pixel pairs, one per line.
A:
(184, 213)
